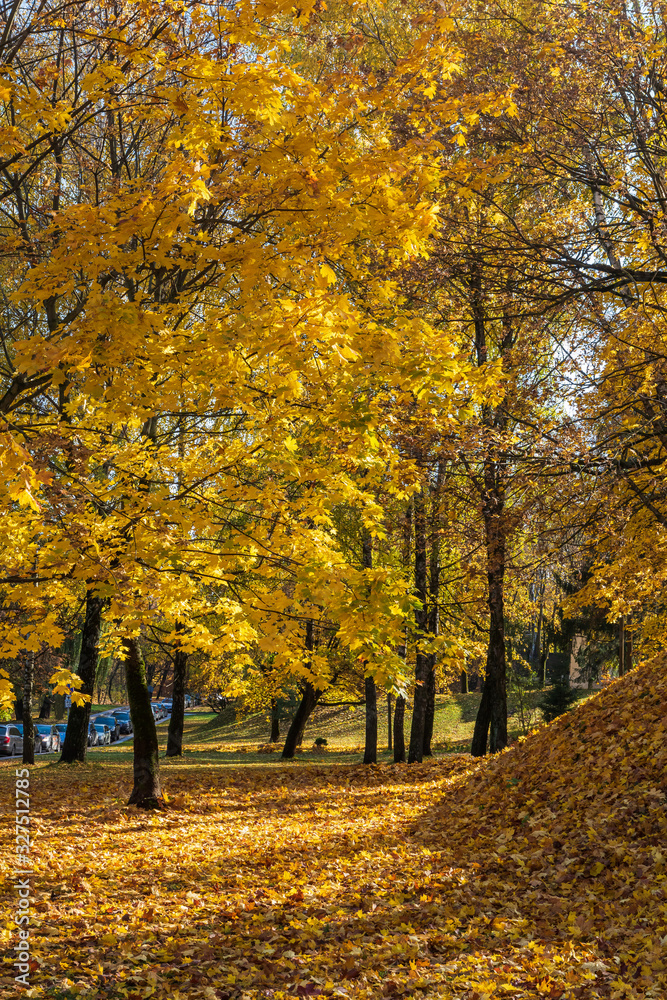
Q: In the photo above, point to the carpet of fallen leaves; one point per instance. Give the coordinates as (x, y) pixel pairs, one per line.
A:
(538, 873)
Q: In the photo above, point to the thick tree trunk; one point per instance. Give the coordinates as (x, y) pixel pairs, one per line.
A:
(147, 791)
(434, 611)
(175, 734)
(422, 665)
(371, 747)
(389, 740)
(28, 725)
(399, 732)
(464, 682)
(45, 710)
(78, 722)
(429, 714)
(371, 741)
(492, 714)
(309, 699)
(275, 721)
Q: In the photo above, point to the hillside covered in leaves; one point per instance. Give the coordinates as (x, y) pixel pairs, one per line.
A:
(537, 873)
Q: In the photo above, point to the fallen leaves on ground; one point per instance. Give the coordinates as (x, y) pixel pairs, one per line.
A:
(538, 873)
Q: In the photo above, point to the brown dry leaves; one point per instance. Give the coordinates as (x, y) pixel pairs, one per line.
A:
(540, 873)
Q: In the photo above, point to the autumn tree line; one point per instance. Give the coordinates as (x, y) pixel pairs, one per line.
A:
(332, 350)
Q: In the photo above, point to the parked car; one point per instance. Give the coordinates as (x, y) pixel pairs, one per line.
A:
(11, 740)
(38, 737)
(49, 740)
(166, 708)
(103, 733)
(124, 721)
(112, 722)
(62, 729)
(157, 712)
(93, 736)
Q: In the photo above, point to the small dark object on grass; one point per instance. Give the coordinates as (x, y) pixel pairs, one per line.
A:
(321, 742)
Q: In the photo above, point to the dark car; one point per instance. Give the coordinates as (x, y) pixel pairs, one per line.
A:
(49, 738)
(111, 722)
(124, 721)
(11, 740)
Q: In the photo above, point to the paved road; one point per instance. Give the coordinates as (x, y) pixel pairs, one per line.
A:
(123, 739)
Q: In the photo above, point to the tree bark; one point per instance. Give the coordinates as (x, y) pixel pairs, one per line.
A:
(114, 671)
(147, 791)
(491, 719)
(309, 699)
(371, 747)
(165, 672)
(371, 741)
(429, 714)
(416, 751)
(28, 724)
(78, 722)
(275, 721)
(464, 682)
(399, 733)
(176, 722)
(389, 740)
(434, 611)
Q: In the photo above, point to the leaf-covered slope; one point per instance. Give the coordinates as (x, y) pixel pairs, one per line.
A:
(572, 822)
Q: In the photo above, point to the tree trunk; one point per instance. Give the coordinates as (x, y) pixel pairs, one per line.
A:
(422, 665)
(399, 734)
(434, 611)
(464, 682)
(309, 699)
(538, 636)
(28, 724)
(275, 721)
(371, 748)
(45, 710)
(492, 715)
(621, 647)
(78, 722)
(114, 671)
(175, 734)
(371, 742)
(429, 714)
(147, 792)
(165, 673)
(389, 741)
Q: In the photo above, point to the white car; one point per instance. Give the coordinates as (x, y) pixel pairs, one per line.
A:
(103, 734)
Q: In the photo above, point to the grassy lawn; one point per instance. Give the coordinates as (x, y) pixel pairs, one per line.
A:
(219, 739)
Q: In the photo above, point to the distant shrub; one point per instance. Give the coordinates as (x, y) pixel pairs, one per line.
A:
(557, 701)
